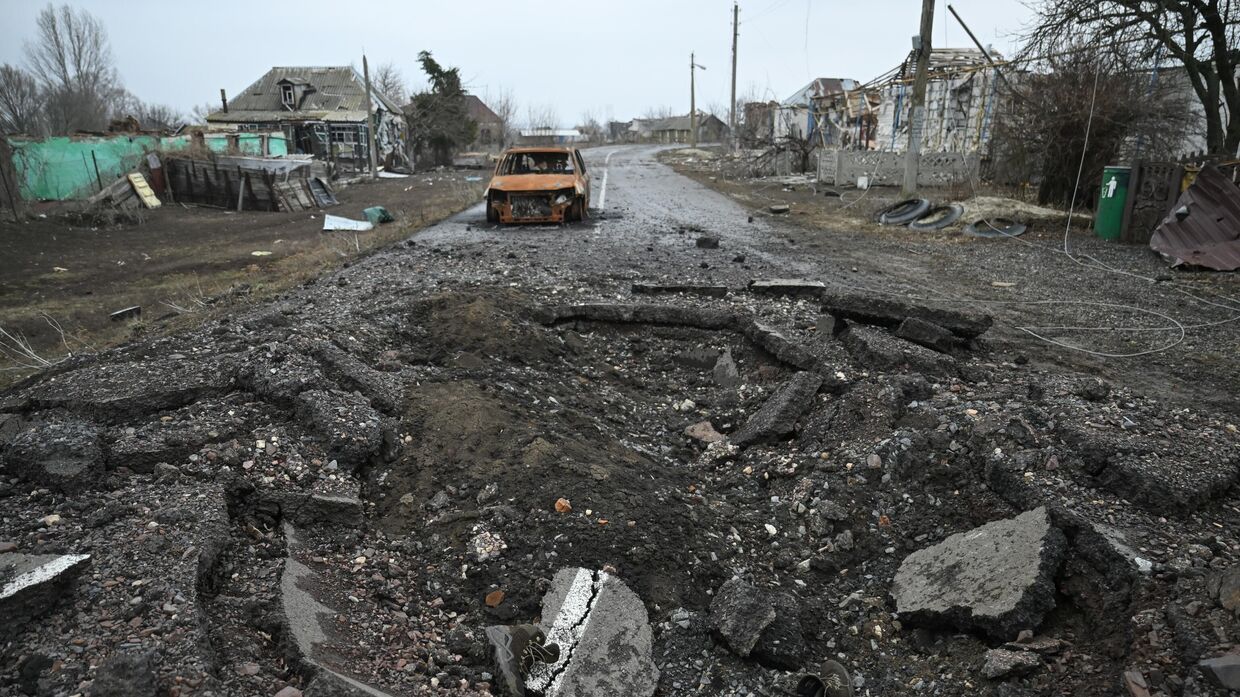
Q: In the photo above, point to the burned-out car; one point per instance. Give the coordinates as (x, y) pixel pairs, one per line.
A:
(539, 185)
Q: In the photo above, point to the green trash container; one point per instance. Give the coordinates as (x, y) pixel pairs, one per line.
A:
(1108, 224)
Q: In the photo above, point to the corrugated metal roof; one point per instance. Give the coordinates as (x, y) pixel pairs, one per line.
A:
(331, 89)
(1209, 234)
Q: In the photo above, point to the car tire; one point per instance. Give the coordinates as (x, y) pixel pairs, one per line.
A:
(947, 214)
(904, 212)
(492, 214)
(996, 227)
(579, 212)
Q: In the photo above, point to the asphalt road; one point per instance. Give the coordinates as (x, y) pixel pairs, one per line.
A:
(644, 224)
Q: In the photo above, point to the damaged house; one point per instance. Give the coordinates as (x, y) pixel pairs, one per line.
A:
(678, 129)
(491, 132)
(960, 102)
(321, 111)
(795, 118)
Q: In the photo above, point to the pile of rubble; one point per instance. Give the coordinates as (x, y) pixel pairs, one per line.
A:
(377, 487)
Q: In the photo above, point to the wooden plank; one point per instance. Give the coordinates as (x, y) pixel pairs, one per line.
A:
(143, 190)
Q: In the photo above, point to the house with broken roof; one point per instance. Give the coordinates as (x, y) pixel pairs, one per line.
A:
(795, 117)
(961, 100)
(322, 112)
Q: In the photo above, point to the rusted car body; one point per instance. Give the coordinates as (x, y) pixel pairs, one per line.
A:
(539, 185)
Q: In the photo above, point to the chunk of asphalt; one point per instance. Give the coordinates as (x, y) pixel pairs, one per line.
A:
(788, 287)
(384, 390)
(1223, 671)
(739, 613)
(603, 635)
(62, 453)
(1001, 664)
(1224, 587)
(351, 427)
(130, 390)
(756, 623)
(31, 584)
(710, 291)
(879, 350)
(997, 578)
(778, 416)
(928, 334)
(127, 674)
(781, 347)
(886, 311)
(725, 371)
(781, 645)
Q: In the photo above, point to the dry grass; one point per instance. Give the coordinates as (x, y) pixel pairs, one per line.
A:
(182, 279)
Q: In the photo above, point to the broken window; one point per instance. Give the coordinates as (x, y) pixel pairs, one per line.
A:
(537, 163)
(286, 95)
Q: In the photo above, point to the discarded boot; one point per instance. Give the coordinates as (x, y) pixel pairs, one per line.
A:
(832, 681)
(516, 649)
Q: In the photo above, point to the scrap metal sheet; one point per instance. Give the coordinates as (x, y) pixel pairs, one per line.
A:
(1203, 228)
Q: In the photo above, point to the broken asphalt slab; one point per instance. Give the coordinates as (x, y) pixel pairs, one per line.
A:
(604, 637)
(778, 416)
(997, 578)
(757, 623)
(888, 312)
(30, 584)
(62, 453)
(879, 350)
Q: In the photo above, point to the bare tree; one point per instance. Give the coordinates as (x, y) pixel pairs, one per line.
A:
(1040, 136)
(388, 81)
(589, 126)
(662, 112)
(504, 104)
(541, 116)
(1201, 35)
(72, 61)
(21, 103)
(200, 112)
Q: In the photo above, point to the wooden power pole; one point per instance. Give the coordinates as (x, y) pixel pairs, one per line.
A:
(732, 104)
(917, 112)
(692, 101)
(370, 123)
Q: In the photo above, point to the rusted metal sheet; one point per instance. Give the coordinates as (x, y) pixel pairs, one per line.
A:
(1203, 229)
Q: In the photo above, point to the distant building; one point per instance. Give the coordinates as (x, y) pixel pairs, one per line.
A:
(491, 135)
(322, 112)
(678, 129)
(550, 136)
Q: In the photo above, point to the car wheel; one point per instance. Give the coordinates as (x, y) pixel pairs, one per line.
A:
(492, 214)
(579, 210)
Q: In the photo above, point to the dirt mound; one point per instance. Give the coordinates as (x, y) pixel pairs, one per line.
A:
(488, 324)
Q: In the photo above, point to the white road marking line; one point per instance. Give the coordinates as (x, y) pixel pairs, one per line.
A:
(569, 626)
(602, 195)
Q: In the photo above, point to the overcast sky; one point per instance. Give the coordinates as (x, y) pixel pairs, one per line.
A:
(617, 58)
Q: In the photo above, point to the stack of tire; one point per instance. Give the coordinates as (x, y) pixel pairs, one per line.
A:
(919, 214)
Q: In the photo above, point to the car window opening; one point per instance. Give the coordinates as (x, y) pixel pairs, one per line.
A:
(538, 163)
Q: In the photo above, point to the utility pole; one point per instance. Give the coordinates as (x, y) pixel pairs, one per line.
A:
(732, 104)
(370, 123)
(693, 131)
(917, 120)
